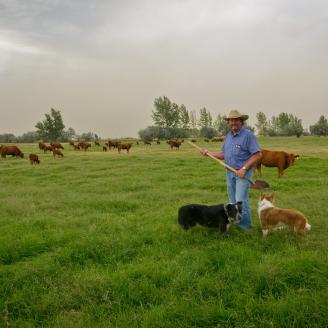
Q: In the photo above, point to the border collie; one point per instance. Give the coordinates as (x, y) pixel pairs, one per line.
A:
(273, 218)
(214, 216)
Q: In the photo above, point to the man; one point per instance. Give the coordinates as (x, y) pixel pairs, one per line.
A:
(241, 151)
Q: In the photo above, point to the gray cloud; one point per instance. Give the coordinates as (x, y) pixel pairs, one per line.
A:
(103, 62)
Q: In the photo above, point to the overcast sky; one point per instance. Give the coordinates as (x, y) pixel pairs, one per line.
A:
(103, 62)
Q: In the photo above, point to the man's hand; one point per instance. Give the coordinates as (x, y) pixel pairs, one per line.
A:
(241, 173)
(204, 151)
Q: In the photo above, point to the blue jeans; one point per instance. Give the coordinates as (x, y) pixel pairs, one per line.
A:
(237, 189)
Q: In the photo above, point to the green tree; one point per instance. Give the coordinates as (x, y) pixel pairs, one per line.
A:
(262, 124)
(205, 118)
(184, 117)
(52, 127)
(320, 128)
(193, 119)
(221, 125)
(295, 126)
(166, 113)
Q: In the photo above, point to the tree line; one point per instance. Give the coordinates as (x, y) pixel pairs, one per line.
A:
(52, 128)
(175, 121)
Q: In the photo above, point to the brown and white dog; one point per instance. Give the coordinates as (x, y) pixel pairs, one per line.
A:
(272, 218)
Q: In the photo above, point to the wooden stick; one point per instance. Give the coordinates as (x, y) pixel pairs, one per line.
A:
(213, 157)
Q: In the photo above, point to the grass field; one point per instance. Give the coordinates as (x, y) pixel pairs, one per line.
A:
(92, 240)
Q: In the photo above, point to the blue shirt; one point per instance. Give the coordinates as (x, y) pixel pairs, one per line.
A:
(238, 148)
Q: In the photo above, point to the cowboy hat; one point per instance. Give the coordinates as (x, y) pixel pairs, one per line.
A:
(236, 114)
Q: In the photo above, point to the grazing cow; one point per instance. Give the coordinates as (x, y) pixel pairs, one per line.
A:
(158, 142)
(84, 145)
(174, 143)
(279, 159)
(46, 148)
(11, 150)
(76, 147)
(34, 159)
(41, 145)
(124, 146)
(146, 142)
(71, 143)
(97, 143)
(113, 143)
(56, 145)
(206, 140)
(193, 140)
(104, 148)
(57, 152)
(217, 139)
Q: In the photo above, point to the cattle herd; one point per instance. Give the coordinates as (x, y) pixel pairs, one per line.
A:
(279, 159)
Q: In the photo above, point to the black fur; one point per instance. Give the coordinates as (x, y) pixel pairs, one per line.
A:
(213, 216)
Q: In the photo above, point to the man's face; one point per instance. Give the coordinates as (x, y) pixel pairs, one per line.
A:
(235, 124)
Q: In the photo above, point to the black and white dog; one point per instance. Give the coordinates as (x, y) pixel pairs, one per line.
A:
(213, 216)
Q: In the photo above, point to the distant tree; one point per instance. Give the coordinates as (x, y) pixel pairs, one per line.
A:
(285, 125)
(320, 128)
(208, 132)
(221, 125)
(193, 119)
(31, 136)
(166, 113)
(205, 118)
(295, 126)
(248, 127)
(87, 136)
(68, 135)
(52, 127)
(155, 132)
(7, 138)
(262, 124)
(184, 117)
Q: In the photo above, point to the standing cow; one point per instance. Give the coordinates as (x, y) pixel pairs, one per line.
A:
(279, 159)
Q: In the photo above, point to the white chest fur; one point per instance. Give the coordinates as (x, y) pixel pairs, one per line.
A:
(263, 205)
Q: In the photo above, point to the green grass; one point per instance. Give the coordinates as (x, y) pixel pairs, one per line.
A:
(92, 240)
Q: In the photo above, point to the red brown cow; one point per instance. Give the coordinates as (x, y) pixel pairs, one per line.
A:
(46, 148)
(34, 159)
(217, 139)
(56, 145)
(57, 152)
(11, 150)
(71, 143)
(41, 145)
(84, 145)
(174, 143)
(124, 146)
(76, 147)
(279, 159)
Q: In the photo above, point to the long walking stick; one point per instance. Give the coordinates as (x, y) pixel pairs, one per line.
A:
(258, 184)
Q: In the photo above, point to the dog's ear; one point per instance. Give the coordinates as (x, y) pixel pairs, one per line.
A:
(229, 206)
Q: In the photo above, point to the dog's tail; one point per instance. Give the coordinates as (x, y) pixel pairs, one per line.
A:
(308, 227)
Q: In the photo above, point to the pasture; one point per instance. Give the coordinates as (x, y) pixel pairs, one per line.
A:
(92, 240)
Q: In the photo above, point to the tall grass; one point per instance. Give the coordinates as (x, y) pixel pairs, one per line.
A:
(92, 240)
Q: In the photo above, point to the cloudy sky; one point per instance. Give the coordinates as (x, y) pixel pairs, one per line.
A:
(103, 62)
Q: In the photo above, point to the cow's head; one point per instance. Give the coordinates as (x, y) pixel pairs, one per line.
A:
(291, 159)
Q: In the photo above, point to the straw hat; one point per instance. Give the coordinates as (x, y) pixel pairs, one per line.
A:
(236, 114)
